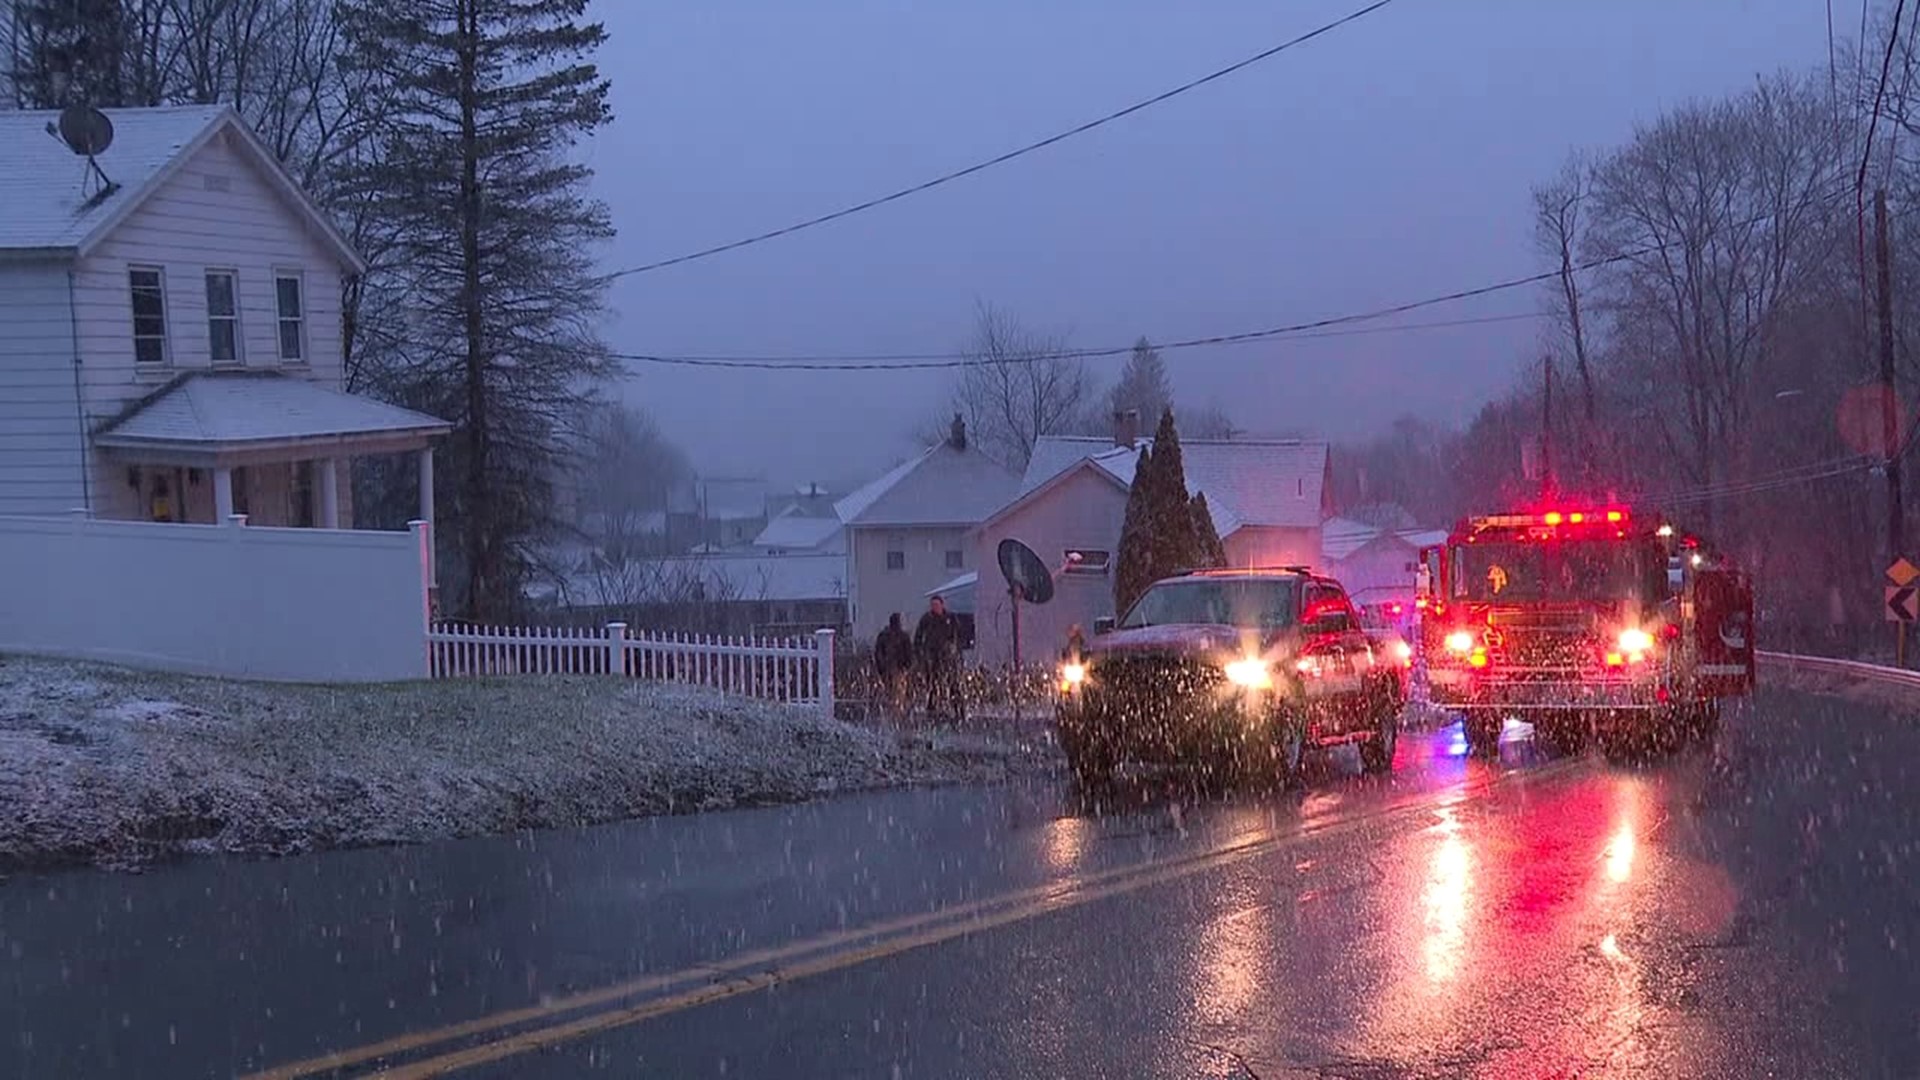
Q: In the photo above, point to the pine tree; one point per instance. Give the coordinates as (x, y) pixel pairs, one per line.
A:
(1209, 551)
(1143, 385)
(1175, 545)
(493, 233)
(1134, 569)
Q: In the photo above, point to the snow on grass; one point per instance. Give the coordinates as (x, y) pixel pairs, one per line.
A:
(112, 766)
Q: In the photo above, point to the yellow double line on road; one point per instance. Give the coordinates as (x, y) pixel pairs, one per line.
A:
(760, 969)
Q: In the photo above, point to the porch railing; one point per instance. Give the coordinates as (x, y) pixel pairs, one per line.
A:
(796, 670)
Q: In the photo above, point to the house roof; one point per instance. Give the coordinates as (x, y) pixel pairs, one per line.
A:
(943, 486)
(1341, 537)
(1260, 482)
(793, 530)
(47, 200)
(229, 409)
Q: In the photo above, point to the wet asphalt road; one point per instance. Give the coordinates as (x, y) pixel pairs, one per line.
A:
(1745, 910)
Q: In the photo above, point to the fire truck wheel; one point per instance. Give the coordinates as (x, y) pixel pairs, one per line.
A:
(1482, 728)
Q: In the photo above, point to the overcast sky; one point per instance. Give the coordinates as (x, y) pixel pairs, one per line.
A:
(1388, 161)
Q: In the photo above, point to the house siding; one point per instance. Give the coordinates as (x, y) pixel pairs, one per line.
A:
(1382, 567)
(42, 444)
(1085, 511)
(217, 211)
(878, 592)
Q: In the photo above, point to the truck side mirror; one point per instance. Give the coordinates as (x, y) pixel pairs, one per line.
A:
(1104, 625)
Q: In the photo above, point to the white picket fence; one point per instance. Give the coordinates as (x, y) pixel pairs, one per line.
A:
(792, 670)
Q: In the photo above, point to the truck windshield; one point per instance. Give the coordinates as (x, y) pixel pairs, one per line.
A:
(1566, 570)
(1261, 602)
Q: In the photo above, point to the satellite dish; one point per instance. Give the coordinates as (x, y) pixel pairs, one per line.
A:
(1025, 573)
(86, 130)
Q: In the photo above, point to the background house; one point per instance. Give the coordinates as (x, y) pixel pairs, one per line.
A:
(908, 531)
(1377, 565)
(731, 594)
(796, 532)
(170, 343)
(1269, 499)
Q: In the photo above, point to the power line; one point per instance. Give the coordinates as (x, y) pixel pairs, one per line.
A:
(1001, 159)
(1791, 477)
(900, 359)
(935, 361)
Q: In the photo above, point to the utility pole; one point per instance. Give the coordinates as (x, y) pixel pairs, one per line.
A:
(1547, 486)
(1889, 408)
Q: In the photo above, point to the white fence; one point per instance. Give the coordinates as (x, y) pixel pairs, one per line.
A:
(304, 605)
(785, 670)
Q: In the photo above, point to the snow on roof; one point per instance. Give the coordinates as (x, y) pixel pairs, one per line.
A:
(943, 486)
(1423, 537)
(1341, 537)
(793, 530)
(47, 193)
(211, 409)
(965, 581)
(1270, 482)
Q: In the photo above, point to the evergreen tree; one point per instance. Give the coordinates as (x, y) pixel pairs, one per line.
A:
(1208, 549)
(493, 234)
(1143, 385)
(1175, 545)
(1134, 569)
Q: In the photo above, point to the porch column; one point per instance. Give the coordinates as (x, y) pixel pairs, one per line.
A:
(222, 495)
(426, 509)
(329, 493)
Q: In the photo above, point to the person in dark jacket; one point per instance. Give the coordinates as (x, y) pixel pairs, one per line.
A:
(893, 662)
(937, 642)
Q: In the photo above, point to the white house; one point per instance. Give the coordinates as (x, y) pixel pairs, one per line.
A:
(908, 531)
(795, 532)
(1376, 565)
(1268, 499)
(170, 331)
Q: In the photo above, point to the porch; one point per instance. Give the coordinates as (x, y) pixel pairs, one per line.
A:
(211, 445)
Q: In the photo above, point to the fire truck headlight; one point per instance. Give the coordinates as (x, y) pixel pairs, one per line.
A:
(1460, 641)
(1250, 672)
(1635, 640)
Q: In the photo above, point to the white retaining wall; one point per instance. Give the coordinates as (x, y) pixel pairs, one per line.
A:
(307, 605)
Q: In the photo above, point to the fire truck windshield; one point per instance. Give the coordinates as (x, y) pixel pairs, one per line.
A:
(1567, 570)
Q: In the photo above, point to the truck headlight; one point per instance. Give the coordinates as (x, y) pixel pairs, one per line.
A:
(1403, 652)
(1460, 641)
(1635, 640)
(1250, 672)
(1072, 675)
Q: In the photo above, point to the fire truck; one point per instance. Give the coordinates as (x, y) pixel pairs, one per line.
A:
(1589, 623)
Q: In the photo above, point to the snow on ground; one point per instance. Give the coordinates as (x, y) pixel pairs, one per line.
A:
(117, 767)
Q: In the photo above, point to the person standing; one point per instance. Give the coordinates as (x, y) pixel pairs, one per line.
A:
(937, 642)
(893, 662)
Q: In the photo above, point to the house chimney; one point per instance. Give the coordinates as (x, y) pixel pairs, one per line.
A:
(957, 436)
(1126, 427)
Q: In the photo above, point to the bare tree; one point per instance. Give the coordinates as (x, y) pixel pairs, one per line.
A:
(1018, 385)
(1559, 232)
(1714, 213)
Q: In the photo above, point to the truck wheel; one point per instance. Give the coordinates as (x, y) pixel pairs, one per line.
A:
(1376, 754)
(1482, 728)
(1290, 751)
(1088, 757)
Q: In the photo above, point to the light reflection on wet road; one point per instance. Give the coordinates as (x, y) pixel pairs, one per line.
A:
(1744, 910)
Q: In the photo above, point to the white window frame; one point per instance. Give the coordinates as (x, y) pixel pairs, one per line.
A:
(239, 356)
(166, 344)
(1089, 565)
(281, 318)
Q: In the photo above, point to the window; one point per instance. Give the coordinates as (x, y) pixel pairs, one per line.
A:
(896, 560)
(149, 315)
(1089, 562)
(223, 318)
(293, 317)
(955, 560)
(1266, 603)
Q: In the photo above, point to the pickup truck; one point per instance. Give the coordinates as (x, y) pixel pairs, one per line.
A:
(1244, 671)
